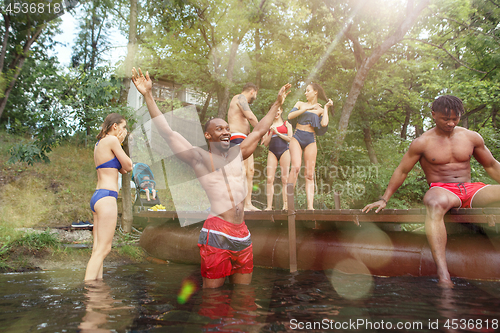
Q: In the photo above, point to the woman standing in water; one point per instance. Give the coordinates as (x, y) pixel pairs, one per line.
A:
(310, 120)
(109, 159)
(277, 139)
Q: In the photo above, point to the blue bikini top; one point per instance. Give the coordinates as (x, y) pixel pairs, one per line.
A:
(112, 163)
(309, 118)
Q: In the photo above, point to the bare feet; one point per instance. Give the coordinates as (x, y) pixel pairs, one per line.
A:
(445, 280)
(267, 208)
(251, 208)
(448, 284)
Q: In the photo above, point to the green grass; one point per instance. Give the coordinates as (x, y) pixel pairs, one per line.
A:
(133, 251)
(38, 241)
(46, 195)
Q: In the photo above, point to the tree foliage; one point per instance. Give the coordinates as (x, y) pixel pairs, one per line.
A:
(382, 62)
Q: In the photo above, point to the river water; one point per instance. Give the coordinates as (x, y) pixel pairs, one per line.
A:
(167, 298)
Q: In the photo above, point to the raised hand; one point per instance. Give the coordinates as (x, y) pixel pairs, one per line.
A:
(283, 93)
(141, 82)
(329, 103)
(121, 136)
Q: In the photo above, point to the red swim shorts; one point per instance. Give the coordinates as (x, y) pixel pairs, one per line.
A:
(225, 248)
(464, 191)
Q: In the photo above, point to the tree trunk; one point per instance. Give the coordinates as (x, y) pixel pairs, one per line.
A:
(465, 122)
(494, 114)
(223, 103)
(465, 117)
(127, 213)
(127, 210)
(203, 113)
(131, 50)
(17, 64)
(404, 129)
(369, 145)
(5, 41)
(367, 64)
(258, 49)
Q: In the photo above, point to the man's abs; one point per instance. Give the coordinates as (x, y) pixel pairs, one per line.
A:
(447, 173)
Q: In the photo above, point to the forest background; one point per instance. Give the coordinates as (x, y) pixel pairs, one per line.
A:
(382, 62)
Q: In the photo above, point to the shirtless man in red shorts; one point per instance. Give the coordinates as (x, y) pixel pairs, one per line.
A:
(240, 117)
(225, 244)
(444, 152)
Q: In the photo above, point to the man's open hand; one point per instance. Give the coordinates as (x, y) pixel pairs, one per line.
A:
(283, 93)
(380, 204)
(142, 83)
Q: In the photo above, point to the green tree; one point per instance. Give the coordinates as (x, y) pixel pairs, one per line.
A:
(22, 25)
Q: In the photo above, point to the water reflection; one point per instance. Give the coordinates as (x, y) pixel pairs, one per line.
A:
(98, 306)
(145, 298)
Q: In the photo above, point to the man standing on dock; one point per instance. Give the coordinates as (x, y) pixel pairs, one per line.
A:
(225, 244)
(240, 117)
(444, 153)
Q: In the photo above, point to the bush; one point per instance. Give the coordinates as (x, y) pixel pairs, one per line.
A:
(38, 241)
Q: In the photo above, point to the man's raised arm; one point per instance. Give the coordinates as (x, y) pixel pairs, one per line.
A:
(409, 160)
(250, 143)
(247, 112)
(179, 145)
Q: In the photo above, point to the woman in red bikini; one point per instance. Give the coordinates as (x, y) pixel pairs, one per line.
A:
(109, 159)
(277, 139)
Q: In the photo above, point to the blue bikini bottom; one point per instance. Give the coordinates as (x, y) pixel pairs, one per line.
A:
(304, 138)
(99, 194)
(278, 146)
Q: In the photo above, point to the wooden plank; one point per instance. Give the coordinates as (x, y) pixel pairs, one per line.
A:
(491, 216)
(292, 237)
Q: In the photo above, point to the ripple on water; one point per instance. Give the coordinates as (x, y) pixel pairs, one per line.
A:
(143, 298)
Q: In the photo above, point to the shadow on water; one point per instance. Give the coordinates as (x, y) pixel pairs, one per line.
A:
(168, 298)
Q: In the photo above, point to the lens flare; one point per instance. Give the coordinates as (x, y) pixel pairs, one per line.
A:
(359, 285)
(187, 290)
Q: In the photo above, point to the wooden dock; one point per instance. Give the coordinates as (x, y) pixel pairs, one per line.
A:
(323, 219)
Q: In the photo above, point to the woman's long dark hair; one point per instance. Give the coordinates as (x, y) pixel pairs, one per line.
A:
(111, 119)
(319, 89)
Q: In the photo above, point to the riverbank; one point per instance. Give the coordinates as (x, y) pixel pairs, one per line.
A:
(47, 249)
(38, 204)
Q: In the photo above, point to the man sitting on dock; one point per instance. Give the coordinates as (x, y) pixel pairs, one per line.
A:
(225, 244)
(444, 152)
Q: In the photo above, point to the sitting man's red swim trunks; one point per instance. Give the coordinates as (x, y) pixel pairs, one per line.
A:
(464, 191)
(225, 248)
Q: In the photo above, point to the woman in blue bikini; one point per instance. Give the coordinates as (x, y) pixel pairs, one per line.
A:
(309, 119)
(277, 140)
(109, 159)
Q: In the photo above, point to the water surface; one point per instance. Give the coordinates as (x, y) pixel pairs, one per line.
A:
(145, 298)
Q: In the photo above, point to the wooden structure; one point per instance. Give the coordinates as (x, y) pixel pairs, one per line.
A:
(488, 216)
(325, 239)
